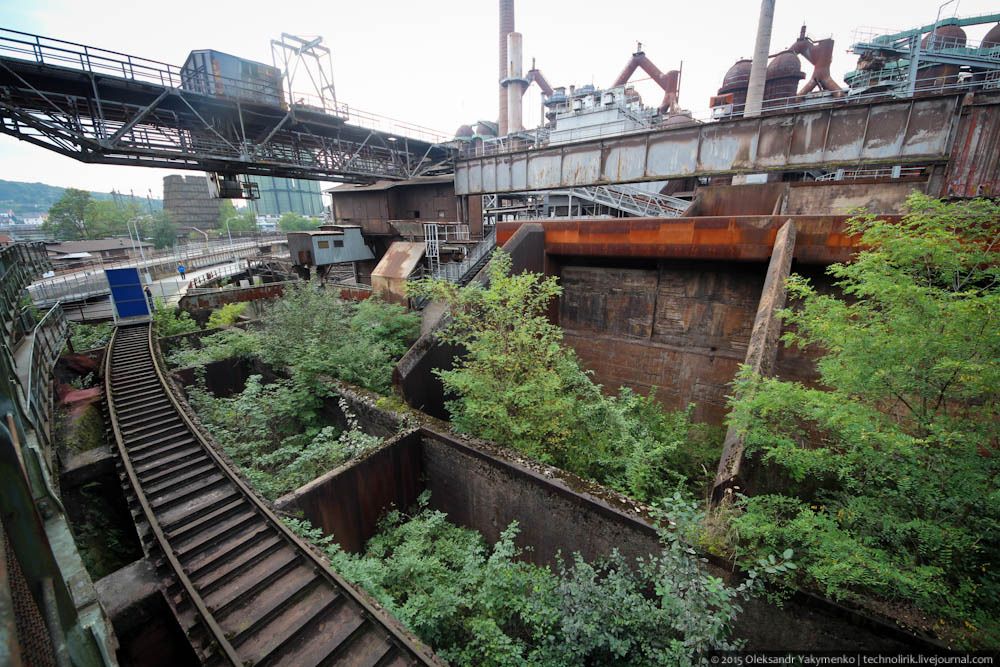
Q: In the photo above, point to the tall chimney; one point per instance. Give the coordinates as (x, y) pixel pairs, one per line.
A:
(515, 83)
(506, 26)
(758, 69)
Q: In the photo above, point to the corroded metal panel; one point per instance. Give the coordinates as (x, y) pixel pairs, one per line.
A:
(503, 180)
(625, 160)
(673, 153)
(544, 170)
(581, 166)
(927, 132)
(846, 134)
(728, 147)
(489, 175)
(808, 141)
(519, 172)
(885, 132)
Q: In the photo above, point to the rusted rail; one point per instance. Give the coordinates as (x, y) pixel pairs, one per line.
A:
(243, 587)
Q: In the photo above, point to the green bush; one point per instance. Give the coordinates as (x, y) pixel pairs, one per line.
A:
(225, 344)
(519, 386)
(314, 334)
(90, 336)
(892, 466)
(172, 321)
(478, 605)
(275, 435)
(226, 316)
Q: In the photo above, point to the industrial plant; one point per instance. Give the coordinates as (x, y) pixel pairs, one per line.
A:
(640, 385)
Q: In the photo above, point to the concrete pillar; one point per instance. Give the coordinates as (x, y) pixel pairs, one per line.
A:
(762, 350)
(515, 89)
(506, 26)
(758, 69)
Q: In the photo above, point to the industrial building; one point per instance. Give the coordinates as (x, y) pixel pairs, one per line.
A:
(189, 202)
(288, 195)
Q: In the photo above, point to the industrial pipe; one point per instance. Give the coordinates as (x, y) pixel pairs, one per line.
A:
(820, 54)
(536, 76)
(669, 82)
(758, 69)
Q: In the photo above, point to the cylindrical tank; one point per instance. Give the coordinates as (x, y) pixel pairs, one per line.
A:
(464, 132)
(942, 37)
(990, 41)
(736, 81)
(485, 128)
(783, 76)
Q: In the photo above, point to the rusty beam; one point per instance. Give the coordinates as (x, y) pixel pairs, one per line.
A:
(822, 239)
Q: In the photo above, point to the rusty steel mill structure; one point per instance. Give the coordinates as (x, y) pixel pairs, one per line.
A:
(671, 233)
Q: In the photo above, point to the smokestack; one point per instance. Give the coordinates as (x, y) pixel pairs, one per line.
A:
(758, 70)
(506, 27)
(515, 83)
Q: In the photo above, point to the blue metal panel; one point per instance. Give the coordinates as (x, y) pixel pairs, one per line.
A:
(127, 292)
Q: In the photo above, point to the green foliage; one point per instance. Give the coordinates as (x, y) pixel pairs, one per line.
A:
(892, 468)
(275, 435)
(481, 606)
(293, 222)
(243, 221)
(226, 316)
(162, 230)
(172, 321)
(67, 218)
(520, 386)
(226, 212)
(100, 534)
(314, 334)
(90, 336)
(225, 344)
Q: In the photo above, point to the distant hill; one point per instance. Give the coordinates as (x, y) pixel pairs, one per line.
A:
(31, 199)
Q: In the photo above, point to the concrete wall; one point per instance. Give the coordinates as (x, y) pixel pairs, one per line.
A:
(843, 198)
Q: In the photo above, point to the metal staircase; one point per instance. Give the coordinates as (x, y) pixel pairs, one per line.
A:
(630, 199)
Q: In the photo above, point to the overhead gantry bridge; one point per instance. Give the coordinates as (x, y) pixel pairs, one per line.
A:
(105, 107)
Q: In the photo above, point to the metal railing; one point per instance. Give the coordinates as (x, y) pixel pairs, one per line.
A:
(457, 272)
(630, 199)
(49, 51)
(897, 171)
(47, 341)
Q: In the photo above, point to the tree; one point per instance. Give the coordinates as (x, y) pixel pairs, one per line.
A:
(293, 222)
(163, 232)
(243, 221)
(226, 211)
(109, 218)
(68, 217)
(892, 466)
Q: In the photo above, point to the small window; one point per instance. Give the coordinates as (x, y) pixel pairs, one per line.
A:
(416, 215)
(440, 213)
(324, 245)
(338, 244)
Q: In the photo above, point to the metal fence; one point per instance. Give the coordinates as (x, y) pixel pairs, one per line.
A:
(457, 272)
(47, 342)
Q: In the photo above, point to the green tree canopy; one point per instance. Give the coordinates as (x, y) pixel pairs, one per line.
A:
(68, 217)
(243, 221)
(293, 222)
(892, 466)
(162, 230)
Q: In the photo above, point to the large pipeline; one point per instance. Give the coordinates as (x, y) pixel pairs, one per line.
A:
(669, 82)
(820, 55)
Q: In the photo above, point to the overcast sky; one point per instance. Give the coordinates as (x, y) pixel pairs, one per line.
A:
(434, 62)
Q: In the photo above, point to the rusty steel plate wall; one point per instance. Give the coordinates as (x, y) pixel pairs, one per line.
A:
(886, 132)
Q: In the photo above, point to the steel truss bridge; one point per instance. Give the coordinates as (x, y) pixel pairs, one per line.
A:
(104, 107)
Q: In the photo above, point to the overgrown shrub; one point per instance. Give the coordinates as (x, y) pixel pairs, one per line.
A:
(478, 605)
(172, 321)
(226, 315)
(519, 386)
(225, 344)
(893, 464)
(90, 336)
(274, 433)
(314, 334)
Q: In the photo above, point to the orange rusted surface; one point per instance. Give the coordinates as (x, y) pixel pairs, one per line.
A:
(821, 239)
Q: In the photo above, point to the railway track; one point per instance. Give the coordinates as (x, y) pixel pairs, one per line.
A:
(245, 590)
